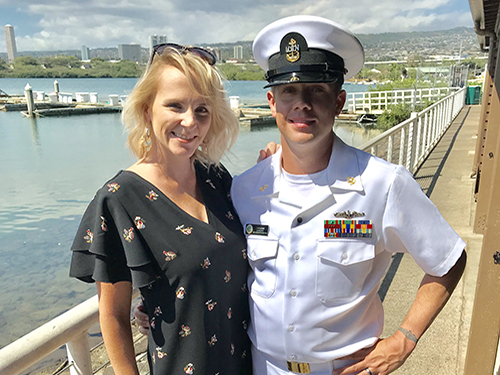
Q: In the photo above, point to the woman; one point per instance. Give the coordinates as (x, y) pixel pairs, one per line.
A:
(166, 225)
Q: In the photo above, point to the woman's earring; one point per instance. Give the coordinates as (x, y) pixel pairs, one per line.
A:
(146, 140)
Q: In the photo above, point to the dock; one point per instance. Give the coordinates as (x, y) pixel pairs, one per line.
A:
(74, 111)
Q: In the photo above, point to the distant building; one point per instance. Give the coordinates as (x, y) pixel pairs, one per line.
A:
(10, 42)
(85, 53)
(154, 40)
(130, 52)
(238, 52)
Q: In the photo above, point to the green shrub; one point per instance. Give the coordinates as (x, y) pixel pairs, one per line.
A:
(394, 115)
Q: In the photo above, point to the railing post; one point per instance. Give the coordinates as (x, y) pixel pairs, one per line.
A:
(412, 143)
(390, 149)
(402, 146)
(78, 351)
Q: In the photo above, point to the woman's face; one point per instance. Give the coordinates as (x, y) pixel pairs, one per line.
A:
(180, 117)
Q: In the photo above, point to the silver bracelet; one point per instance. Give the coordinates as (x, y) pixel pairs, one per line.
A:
(408, 334)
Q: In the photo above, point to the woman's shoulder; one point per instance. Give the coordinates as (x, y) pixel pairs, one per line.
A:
(122, 183)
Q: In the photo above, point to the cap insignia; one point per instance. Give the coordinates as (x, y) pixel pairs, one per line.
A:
(294, 79)
(292, 51)
(351, 180)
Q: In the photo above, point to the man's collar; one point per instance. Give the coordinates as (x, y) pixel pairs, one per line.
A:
(343, 174)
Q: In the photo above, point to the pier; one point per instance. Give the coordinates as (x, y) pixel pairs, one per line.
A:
(453, 151)
(442, 165)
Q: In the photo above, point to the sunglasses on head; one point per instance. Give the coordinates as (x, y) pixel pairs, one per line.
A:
(206, 55)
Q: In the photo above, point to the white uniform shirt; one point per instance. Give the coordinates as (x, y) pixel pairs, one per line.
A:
(314, 299)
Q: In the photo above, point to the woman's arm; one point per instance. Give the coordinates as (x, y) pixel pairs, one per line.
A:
(114, 316)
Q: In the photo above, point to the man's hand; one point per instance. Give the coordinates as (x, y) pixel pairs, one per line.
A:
(142, 319)
(271, 149)
(382, 358)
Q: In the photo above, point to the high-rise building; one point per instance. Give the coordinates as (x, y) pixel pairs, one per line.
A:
(10, 42)
(85, 53)
(238, 52)
(155, 40)
(130, 52)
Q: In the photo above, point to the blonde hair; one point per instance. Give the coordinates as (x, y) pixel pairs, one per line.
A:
(206, 81)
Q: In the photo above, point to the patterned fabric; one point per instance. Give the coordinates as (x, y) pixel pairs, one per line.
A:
(192, 275)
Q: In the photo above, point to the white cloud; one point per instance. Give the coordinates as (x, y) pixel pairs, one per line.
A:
(67, 24)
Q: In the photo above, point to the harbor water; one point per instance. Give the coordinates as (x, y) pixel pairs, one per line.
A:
(50, 169)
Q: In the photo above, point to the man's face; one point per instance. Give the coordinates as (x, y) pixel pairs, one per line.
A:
(305, 112)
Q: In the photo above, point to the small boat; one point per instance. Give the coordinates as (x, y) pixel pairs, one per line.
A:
(367, 119)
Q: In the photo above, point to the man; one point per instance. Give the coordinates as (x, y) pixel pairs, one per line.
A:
(323, 219)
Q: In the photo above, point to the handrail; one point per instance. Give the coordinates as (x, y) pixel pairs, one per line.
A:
(68, 328)
(411, 141)
(370, 101)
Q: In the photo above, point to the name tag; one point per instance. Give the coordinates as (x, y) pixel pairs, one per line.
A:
(348, 228)
(257, 229)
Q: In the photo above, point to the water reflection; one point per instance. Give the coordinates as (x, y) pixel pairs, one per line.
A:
(35, 135)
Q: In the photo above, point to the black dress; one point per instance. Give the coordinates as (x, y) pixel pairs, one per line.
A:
(192, 275)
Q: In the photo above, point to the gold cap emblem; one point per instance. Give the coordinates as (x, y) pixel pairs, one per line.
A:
(351, 180)
(292, 51)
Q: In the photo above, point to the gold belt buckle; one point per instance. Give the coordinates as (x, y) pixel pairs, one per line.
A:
(299, 367)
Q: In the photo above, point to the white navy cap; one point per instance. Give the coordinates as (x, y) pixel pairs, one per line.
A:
(306, 49)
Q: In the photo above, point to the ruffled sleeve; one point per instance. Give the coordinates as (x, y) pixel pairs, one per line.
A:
(108, 246)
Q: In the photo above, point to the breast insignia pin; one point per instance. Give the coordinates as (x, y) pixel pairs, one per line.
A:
(349, 214)
(263, 187)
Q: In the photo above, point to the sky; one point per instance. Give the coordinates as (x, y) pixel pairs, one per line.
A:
(68, 24)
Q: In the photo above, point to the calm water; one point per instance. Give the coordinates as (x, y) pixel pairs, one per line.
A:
(50, 169)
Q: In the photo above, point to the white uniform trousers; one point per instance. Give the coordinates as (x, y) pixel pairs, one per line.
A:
(264, 364)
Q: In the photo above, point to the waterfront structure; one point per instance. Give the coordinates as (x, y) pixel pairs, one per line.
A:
(155, 40)
(483, 343)
(238, 52)
(10, 42)
(85, 53)
(130, 52)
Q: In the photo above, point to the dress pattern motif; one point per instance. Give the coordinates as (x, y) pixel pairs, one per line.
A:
(190, 273)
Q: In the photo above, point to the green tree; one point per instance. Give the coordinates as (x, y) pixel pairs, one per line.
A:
(394, 115)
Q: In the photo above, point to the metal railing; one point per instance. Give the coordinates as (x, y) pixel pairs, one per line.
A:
(410, 142)
(370, 101)
(70, 329)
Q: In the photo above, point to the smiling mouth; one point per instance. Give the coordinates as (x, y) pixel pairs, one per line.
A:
(302, 122)
(186, 138)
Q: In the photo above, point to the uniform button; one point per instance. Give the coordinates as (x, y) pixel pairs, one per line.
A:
(254, 253)
(344, 256)
(296, 256)
(293, 292)
(291, 328)
(293, 357)
(299, 220)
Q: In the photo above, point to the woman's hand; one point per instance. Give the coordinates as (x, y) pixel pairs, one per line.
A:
(271, 149)
(142, 319)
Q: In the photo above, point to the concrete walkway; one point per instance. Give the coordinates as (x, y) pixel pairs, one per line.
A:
(445, 177)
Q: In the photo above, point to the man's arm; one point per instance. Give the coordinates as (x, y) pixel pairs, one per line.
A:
(388, 354)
